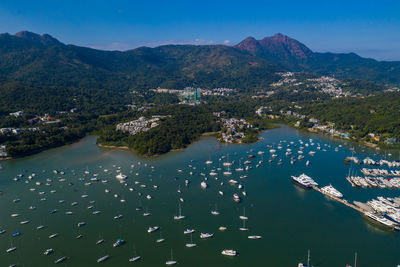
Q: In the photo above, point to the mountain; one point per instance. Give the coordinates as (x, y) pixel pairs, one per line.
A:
(279, 48)
(42, 61)
(295, 56)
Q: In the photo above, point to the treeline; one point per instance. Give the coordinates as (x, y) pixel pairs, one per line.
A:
(378, 114)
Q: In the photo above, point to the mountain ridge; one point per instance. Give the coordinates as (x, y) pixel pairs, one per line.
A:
(42, 59)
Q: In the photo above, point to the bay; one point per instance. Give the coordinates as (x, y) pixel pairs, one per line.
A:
(291, 220)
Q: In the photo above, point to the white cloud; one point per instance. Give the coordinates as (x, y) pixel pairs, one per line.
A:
(227, 42)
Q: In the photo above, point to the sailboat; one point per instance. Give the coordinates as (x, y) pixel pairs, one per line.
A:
(308, 261)
(171, 262)
(147, 213)
(239, 169)
(161, 239)
(355, 261)
(191, 244)
(135, 258)
(180, 216)
(209, 161)
(244, 226)
(215, 212)
(243, 217)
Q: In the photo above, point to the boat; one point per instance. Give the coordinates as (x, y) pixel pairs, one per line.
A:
(79, 236)
(81, 224)
(304, 181)
(229, 252)
(203, 185)
(2, 231)
(48, 251)
(118, 243)
(40, 227)
(191, 244)
(133, 259)
(104, 258)
(53, 235)
(161, 239)
(308, 261)
(11, 249)
(171, 262)
(204, 235)
(243, 217)
(254, 237)
(180, 216)
(59, 260)
(119, 216)
(221, 193)
(16, 233)
(222, 228)
(215, 212)
(152, 229)
(243, 228)
(99, 241)
(236, 198)
(331, 191)
(121, 176)
(188, 231)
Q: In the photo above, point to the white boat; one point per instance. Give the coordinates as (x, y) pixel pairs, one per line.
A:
(171, 262)
(104, 258)
(133, 259)
(215, 212)
(121, 176)
(229, 252)
(48, 251)
(243, 217)
(331, 191)
(254, 237)
(304, 180)
(11, 249)
(203, 185)
(152, 229)
(206, 235)
(191, 244)
(180, 216)
(188, 231)
(53, 235)
(161, 239)
(221, 193)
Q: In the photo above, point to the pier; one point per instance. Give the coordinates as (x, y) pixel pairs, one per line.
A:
(343, 201)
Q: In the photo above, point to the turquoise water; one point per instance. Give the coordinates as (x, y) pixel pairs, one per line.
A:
(290, 220)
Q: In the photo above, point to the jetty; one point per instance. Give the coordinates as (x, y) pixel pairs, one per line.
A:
(359, 208)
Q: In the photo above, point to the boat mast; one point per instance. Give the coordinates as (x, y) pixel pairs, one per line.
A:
(355, 260)
(308, 259)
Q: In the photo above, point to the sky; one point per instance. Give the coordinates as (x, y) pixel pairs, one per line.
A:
(368, 28)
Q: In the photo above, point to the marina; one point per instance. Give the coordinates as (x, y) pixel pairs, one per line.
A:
(273, 214)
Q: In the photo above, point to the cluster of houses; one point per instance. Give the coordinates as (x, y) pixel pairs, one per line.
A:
(330, 129)
(140, 125)
(234, 129)
(12, 130)
(324, 84)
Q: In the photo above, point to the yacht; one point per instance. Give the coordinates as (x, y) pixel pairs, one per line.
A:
(152, 229)
(118, 243)
(229, 252)
(11, 249)
(161, 239)
(104, 258)
(331, 191)
(304, 181)
(203, 185)
(206, 235)
(119, 216)
(48, 251)
(189, 231)
(99, 241)
(243, 217)
(121, 176)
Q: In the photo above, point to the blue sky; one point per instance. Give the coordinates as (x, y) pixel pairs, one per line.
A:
(369, 28)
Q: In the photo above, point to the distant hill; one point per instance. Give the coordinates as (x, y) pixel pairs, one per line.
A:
(37, 62)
